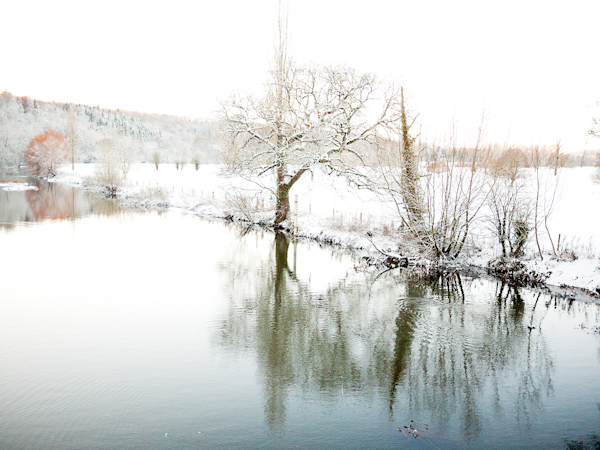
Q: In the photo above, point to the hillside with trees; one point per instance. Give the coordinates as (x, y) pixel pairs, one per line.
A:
(158, 138)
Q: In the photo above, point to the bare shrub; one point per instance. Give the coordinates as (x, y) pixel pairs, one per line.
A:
(573, 249)
(515, 272)
(109, 177)
(196, 161)
(153, 194)
(119, 150)
(508, 202)
(359, 223)
(455, 197)
(249, 205)
(354, 222)
(108, 174)
(439, 205)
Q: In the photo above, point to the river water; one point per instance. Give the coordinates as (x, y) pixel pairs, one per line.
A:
(146, 330)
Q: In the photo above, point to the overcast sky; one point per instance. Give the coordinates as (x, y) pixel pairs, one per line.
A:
(532, 67)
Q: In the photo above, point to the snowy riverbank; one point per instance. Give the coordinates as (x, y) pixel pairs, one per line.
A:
(331, 211)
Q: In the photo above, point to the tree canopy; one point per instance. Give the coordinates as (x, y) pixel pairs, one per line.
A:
(308, 117)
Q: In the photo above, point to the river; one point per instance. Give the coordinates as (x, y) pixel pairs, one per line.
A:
(162, 330)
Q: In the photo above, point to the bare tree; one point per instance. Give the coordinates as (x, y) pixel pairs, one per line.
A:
(196, 160)
(455, 195)
(125, 150)
(397, 175)
(536, 162)
(116, 154)
(72, 133)
(108, 174)
(308, 117)
(411, 191)
(437, 208)
(509, 203)
(545, 191)
(182, 153)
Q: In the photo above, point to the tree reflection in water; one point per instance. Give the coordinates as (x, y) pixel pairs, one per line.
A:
(438, 353)
(51, 201)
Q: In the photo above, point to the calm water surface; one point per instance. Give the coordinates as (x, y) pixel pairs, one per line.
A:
(122, 329)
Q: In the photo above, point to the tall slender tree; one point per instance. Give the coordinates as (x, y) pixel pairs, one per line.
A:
(72, 133)
(411, 191)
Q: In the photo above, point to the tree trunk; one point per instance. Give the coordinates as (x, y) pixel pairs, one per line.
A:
(283, 204)
(410, 178)
(283, 193)
(282, 209)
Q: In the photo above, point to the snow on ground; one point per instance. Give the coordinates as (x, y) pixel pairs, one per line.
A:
(577, 215)
(16, 186)
(331, 211)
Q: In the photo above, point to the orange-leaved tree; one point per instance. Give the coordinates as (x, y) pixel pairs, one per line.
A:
(45, 152)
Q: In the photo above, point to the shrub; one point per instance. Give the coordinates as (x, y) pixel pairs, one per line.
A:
(515, 273)
(109, 177)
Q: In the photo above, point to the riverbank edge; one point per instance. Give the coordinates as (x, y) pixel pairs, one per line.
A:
(513, 272)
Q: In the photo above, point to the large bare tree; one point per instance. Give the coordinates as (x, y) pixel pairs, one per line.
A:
(308, 117)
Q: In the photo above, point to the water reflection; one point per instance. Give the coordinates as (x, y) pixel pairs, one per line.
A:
(468, 353)
(309, 352)
(434, 352)
(299, 338)
(51, 201)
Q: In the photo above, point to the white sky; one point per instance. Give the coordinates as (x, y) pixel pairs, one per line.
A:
(532, 66)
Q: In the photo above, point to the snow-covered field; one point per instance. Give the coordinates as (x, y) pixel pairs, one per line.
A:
(329, 210)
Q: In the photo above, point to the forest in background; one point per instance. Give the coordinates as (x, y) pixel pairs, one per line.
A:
(155, 137)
